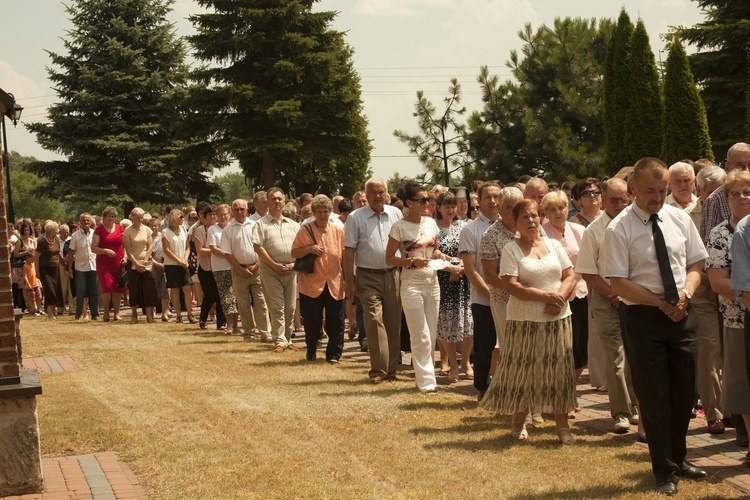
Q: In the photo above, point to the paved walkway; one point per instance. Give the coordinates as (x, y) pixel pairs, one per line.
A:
(51, 364)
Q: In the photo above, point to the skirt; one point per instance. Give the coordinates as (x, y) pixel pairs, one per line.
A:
(735, 391)
(177, 276)
(535, 372)
(50, 278)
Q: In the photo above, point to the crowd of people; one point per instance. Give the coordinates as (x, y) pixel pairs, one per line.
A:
(519, 286)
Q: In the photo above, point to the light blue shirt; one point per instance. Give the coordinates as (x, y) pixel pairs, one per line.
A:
(367, 232)
(741, 259)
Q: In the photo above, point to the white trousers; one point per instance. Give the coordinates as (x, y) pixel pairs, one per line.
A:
(421, 305)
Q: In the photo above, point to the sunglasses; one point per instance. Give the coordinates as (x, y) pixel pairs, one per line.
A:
(591, 192)
(421, 200)
(474, 208)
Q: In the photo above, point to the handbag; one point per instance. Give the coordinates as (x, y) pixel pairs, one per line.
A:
(17, 261)
(122, 280)
(306, 264)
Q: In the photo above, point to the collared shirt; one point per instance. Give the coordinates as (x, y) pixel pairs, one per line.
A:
(570, 240)
(276, 237)
(367, 232)
(693, 208)
(332, 219)
(327, 269)
(741, 258)
(714, 212)
(631, 254)
(469, 242)
(255, 217)
(80, 243)
(237, 241)
(491, 248)
(591, 255)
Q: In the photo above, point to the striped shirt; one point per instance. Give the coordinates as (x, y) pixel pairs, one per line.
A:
(276, 237)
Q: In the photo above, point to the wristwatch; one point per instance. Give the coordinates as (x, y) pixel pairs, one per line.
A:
(688, 295)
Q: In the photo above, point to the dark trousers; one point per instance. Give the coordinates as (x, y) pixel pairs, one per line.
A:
(662, 360)
(360, 318)
(485, 339)
(210, 297)
(579, 316)
(87, 285)
(311, 309)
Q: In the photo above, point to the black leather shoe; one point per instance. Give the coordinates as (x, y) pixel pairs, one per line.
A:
(689, 471)
(667, 488)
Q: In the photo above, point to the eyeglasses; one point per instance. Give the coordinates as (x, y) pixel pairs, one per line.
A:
(591, 192)
(182, 216)
(745, 193)
(421, 200)
(615, 201)
(474, 208)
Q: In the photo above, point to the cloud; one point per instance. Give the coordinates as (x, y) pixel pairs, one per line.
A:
(399, 8)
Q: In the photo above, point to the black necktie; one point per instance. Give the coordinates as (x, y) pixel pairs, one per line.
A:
(667, 278)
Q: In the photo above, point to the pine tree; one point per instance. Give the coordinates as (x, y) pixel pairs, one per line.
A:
(120, 88)
(643, 132)
(721, 68)
(685, 124)
(278, 93)
(617, 82)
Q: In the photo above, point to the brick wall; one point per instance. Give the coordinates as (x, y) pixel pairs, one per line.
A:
(9, 362)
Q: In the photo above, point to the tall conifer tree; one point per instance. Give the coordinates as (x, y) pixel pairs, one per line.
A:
(722, 68)
(643, 132)
(616, 89)
(120, 88)
(279, 94)
(685, 125)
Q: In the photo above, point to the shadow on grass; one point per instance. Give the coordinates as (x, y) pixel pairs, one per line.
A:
(642, 484)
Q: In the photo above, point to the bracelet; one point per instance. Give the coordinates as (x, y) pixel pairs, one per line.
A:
(411, 262)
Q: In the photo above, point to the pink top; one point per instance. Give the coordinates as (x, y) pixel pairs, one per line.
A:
(571, 242)
(327, 270)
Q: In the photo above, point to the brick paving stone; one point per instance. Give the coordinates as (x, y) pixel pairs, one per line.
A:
(51, 364)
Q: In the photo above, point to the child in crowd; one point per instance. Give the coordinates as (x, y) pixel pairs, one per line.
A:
(32, 288)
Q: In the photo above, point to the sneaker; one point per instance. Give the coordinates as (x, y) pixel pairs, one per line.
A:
(622, 424)
(363, 347)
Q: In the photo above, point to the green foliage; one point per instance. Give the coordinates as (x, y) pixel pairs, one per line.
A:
(617, 81)
(643, 124)
(440, 144)
(560, 79)
(120, 88)
(496, 133)
(278, 92)
(233, 186)
(721, 68)
(24, 186)
(685, 125)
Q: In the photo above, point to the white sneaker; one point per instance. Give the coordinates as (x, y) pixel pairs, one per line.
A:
(622, 424)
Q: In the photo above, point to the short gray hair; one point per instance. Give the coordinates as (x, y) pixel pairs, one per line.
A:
(376, 180)
(64, 227)
(321, 201)
(740, 146)
(555, 198)
(509, 193)
(710, 175)
(137, 212)
(681, 166)
(50, 224)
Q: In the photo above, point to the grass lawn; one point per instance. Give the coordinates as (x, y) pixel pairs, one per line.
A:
(196, 414)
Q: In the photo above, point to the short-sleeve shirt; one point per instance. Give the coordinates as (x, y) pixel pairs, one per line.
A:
(571, 242)
(237, 241)
(49, 253)
(367, 233)
(214, 240)
(469, 242)
(327, 269)
(138, 240)
(630, 250)
(80, 243)
(741, 258)
(494, 239)
(200, 239)
(591, 254)
(177, 244)
(720, 257)
(417, 240)
(276, 237)
(544, 274)
(693, 208)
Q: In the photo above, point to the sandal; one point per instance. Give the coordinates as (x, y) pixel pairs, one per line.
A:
(453, 376)
(518, 429)
(565, 436)
(469, 372)
(191, 319)
(179, 319)
(202, 325)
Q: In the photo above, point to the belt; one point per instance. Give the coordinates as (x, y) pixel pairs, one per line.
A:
(375, 271)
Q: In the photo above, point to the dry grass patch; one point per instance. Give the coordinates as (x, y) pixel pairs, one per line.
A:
(202, 415)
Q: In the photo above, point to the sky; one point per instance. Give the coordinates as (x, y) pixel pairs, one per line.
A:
(400, 47)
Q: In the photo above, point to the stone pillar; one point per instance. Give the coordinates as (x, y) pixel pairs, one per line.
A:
(20, 458)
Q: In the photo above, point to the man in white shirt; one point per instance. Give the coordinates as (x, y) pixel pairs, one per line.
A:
(485, 336)
(260, 203)
(273, 235)
(605, 305)
(653, 259)
(237, 246)
(87, 284)
(376, 284)
(705, 307)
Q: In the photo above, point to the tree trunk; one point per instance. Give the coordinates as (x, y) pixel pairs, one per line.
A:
(268, 180)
